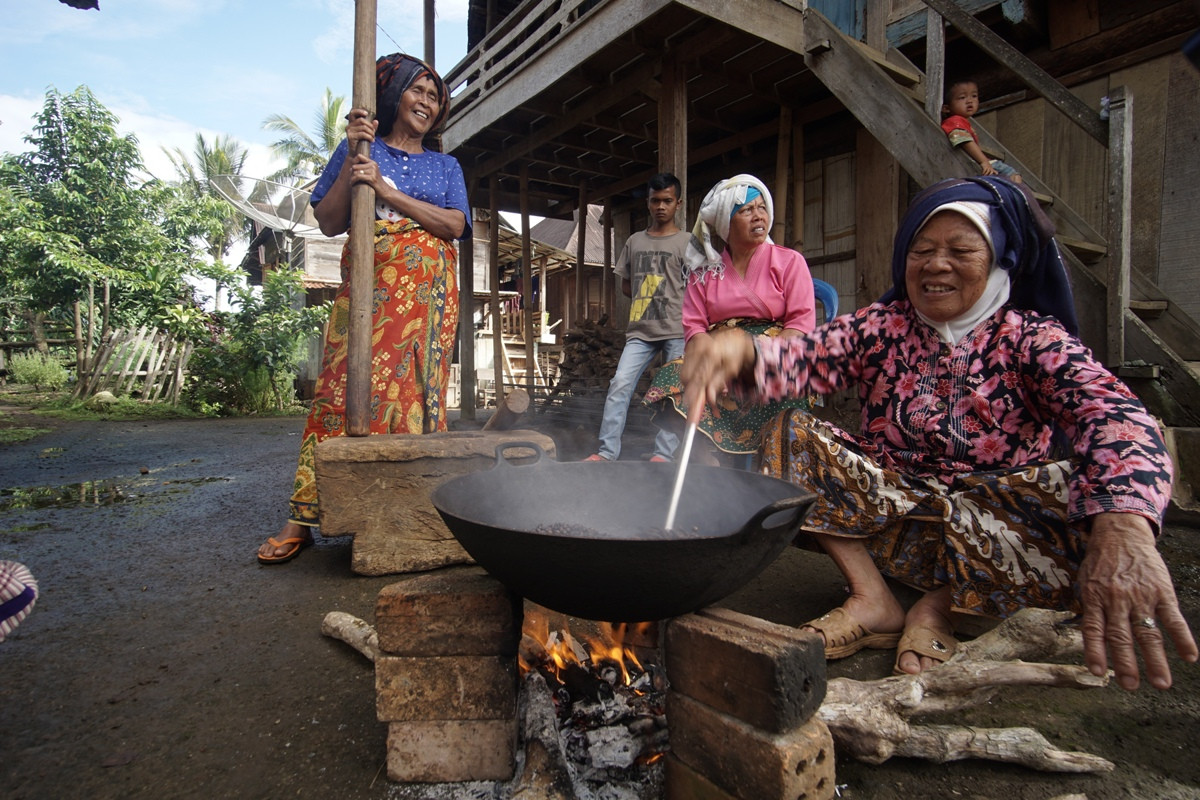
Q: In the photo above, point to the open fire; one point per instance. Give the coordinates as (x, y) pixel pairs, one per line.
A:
(609, 697)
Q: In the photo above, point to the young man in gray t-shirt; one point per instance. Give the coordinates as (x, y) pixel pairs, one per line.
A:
(651, 272)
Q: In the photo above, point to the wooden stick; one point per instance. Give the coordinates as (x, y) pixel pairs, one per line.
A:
(362, 236)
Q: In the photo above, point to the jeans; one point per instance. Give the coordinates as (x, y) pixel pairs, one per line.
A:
(636, 356)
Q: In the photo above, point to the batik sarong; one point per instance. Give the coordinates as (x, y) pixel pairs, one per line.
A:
(414, 319)
(999, 539)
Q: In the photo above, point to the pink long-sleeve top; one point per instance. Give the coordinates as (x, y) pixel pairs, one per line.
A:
(777, 286)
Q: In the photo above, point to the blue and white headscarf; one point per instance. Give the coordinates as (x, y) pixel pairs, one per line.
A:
(1021, 236)
(717, 208)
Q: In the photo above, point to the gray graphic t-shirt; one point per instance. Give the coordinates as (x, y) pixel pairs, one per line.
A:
(654, 267)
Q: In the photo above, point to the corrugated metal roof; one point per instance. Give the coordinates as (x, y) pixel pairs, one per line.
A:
(564, 234)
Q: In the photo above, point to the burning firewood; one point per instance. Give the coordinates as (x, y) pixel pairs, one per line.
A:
(869, 720)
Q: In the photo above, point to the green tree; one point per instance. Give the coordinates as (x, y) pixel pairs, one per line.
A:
(77, 215)
(249, 363)
(307, 155)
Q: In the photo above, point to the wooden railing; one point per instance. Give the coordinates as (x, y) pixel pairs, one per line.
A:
(518, 39)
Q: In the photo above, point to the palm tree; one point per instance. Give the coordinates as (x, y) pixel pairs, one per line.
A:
(307, 155)
(225, 156)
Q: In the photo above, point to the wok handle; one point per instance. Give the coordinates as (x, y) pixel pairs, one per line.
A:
(502, 461)
(754, 525)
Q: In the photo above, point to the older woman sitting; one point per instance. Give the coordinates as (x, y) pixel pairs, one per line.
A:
(736, 277)
(967, 371)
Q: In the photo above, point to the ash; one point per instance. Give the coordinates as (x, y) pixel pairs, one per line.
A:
(594, 747)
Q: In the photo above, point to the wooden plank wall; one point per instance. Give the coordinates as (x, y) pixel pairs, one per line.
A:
(1166, 159)
(1179, 264)
(829, 225)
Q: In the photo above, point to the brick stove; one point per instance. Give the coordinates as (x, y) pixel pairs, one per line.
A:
(740, 710)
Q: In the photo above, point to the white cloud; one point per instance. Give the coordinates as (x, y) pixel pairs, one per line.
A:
(153, 132)
(16, 121)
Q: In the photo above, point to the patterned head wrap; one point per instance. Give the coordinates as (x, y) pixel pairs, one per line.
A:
(393, 75)
(18, 591)
(718, 207)
(1021, 236)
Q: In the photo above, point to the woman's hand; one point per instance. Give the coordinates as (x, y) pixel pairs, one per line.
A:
(360, 127)
(710, 363)
(364, 170)
(1128, 600)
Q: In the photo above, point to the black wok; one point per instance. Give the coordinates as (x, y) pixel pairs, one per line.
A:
(586, 539)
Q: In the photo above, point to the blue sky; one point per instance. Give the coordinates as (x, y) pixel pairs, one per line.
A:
(169, 69)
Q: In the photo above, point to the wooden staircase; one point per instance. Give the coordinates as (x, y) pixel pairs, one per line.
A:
(1159, 346)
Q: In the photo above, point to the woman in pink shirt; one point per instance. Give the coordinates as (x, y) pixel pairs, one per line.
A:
(750, 283)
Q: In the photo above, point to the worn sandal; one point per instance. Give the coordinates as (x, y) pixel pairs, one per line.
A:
(845, 636)
(294, 544)
(924, 641)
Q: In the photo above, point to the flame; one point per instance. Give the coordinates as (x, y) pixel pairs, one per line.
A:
(563, 648)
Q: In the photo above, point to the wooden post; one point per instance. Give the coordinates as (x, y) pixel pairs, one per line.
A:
(877, 182)
(783, 148)
(494, 284)
(466, 321)
(430, 16)
(362, 237)
(935, 63)
(581, 253)
(607, 287)
(527, 278)
(1120, 199)
(672, 129)
(799, 167)
(876, 33)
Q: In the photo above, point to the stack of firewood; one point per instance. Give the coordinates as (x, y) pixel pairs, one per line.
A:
(590, 355)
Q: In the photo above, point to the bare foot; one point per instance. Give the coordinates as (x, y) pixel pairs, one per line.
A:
(291, 530)
(932, 612)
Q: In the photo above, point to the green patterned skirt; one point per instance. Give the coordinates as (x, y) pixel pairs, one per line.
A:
(733, 427)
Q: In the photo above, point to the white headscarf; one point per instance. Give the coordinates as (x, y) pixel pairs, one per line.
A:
(701, 258)
(995, 294)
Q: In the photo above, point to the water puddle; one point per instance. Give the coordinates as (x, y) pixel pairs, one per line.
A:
(90, 493)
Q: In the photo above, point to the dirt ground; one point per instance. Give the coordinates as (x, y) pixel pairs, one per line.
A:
(162, 661)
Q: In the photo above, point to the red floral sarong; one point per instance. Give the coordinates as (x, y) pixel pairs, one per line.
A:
(414, 316)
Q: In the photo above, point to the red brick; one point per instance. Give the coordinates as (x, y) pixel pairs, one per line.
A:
(451, 612)
(681, 782)
(768, 675)
(442, 751)
(750, 763)
(450, 688)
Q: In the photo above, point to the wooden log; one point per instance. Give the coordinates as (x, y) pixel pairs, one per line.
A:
(870, 720)
(509, 412)
(353, 631)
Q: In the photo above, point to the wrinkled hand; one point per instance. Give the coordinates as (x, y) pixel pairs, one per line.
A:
(1124, 581)
(710, 363)
(364, 170)
(360, 127)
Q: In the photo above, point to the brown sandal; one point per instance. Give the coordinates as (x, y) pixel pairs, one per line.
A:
(925, 641)
(845, 636)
